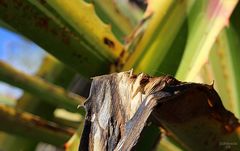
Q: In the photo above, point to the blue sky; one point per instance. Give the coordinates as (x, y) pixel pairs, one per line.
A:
(20, 53)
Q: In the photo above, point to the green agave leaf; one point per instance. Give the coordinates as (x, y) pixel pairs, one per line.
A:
(4, 25)
(7, 100)
(108, 11)
(206, 20)
(33, 127)
(224, 64)
(235, 22)
(74, 13)
(166, 145)
(73, 142)
(63, 29)
(53, 71)
(125, 7)
(156, 57)
(48, 92)
(163, 28)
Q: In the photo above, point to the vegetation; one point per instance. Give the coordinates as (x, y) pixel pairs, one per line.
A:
(192, 40)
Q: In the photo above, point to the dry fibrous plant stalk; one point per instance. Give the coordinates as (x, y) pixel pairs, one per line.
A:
(120, 105)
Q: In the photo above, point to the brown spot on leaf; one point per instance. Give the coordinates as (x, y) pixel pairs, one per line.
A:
(117, 11)
(144, 80)
(42, 22)
(52, 126)
(116, 62)
(228, 128)
(122, 53)
(108, 42)
(64, 34)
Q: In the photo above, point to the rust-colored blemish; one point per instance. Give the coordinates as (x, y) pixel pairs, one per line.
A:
(133, 76)
(42, 22)
(228, 128)
(117, 62)
(65, 36)
(116, 10)
(65, 146)
(227, 119)
(52, 126)
(221, 55)
(167, 133)
(122, 53)
(65, 39)
(144, 80)
(28, 118)
(108, 42)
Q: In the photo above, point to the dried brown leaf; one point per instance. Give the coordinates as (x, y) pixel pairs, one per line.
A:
(120, 105)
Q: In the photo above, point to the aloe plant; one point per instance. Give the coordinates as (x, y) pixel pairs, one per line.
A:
(195, 41)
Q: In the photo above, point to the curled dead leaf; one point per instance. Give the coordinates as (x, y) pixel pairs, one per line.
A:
(120, 104)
